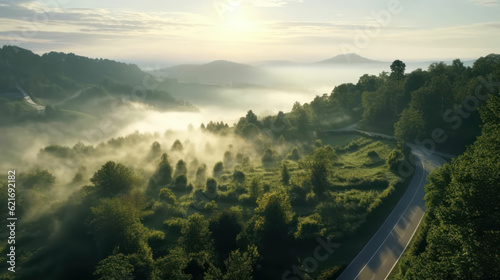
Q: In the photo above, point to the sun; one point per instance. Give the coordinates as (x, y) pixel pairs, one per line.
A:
(237, 19)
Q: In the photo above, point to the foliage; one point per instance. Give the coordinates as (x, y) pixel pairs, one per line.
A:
(113, 178)
(218, 169)
(237, 266)
(114, 267)
(319, 166)
(196, 235)
(462, 236)
(285, 175)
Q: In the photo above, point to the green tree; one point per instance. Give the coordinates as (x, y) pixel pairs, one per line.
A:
(410, 126)
(113, 178)
(195, 235)
(319, 166)
(163, 174)
(201, 173)
(155, 150)
(114, 267)
(398, 70)
(177, 146)
(218, 169)
(225, 227)
(180, 168)
(239, 176)
(285, 175)
(237, 266)
(211, 187)
(172, 266)
(118, 223)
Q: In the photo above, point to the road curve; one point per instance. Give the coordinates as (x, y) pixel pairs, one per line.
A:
(379, 256)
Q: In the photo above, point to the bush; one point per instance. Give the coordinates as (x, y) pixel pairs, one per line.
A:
(309, 227)
(395, 158)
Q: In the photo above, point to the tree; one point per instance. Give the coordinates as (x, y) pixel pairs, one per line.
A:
(319, 166)
(255, 187)
(410, 126)
(201, 173)
(196, 235)
(398, 70)
(180, 168)
(225, 227)
(250, 130)
(462, 229)
(163, 173)
(172, 266)
(367, 83)
(294, 154)
(218, 169)
(177, 146)
(238, 265)
(239, 176)
(228, 159)
(181, 182)
(155, 150)
(285, 175)
(113, 178)
(348, 96)
(166, 195)
(118, 224)
(252, 118)
(272, 227)
(114, 267)
(211, 187)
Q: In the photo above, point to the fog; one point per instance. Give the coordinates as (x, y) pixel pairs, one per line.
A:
(21, 144)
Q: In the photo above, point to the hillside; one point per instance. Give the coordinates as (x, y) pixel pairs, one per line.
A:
(70, 82)
(350, 58)
(217, 72)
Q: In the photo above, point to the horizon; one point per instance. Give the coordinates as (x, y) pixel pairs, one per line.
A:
(147, 66)
(155, 32)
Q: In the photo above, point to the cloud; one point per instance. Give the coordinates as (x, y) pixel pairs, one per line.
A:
(272, 3)
(485, 2)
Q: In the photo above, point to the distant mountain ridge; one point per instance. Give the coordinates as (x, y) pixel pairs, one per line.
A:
(218, 71)
(348, 58)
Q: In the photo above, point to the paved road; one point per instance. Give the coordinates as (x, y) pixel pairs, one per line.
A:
(380, 255)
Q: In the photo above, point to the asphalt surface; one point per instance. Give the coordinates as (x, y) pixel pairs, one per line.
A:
(379, 256)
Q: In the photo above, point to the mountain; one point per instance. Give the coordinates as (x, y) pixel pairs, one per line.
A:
(70, 82)
(217, 72)
(349, 58)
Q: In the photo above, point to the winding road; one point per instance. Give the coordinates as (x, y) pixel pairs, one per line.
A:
(379, 256)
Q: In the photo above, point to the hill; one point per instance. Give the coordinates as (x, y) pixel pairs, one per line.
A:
(57, 79)
(350, 58)
(217, 72)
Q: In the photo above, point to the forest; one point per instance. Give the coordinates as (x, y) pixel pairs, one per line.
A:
(254, 199)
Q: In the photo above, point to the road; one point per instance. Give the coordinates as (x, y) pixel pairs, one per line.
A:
(29, 101)
(379, 256)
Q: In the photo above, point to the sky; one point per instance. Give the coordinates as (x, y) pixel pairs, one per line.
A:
(161, 32)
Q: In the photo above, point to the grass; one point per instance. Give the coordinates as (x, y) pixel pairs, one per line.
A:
(360, 165)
